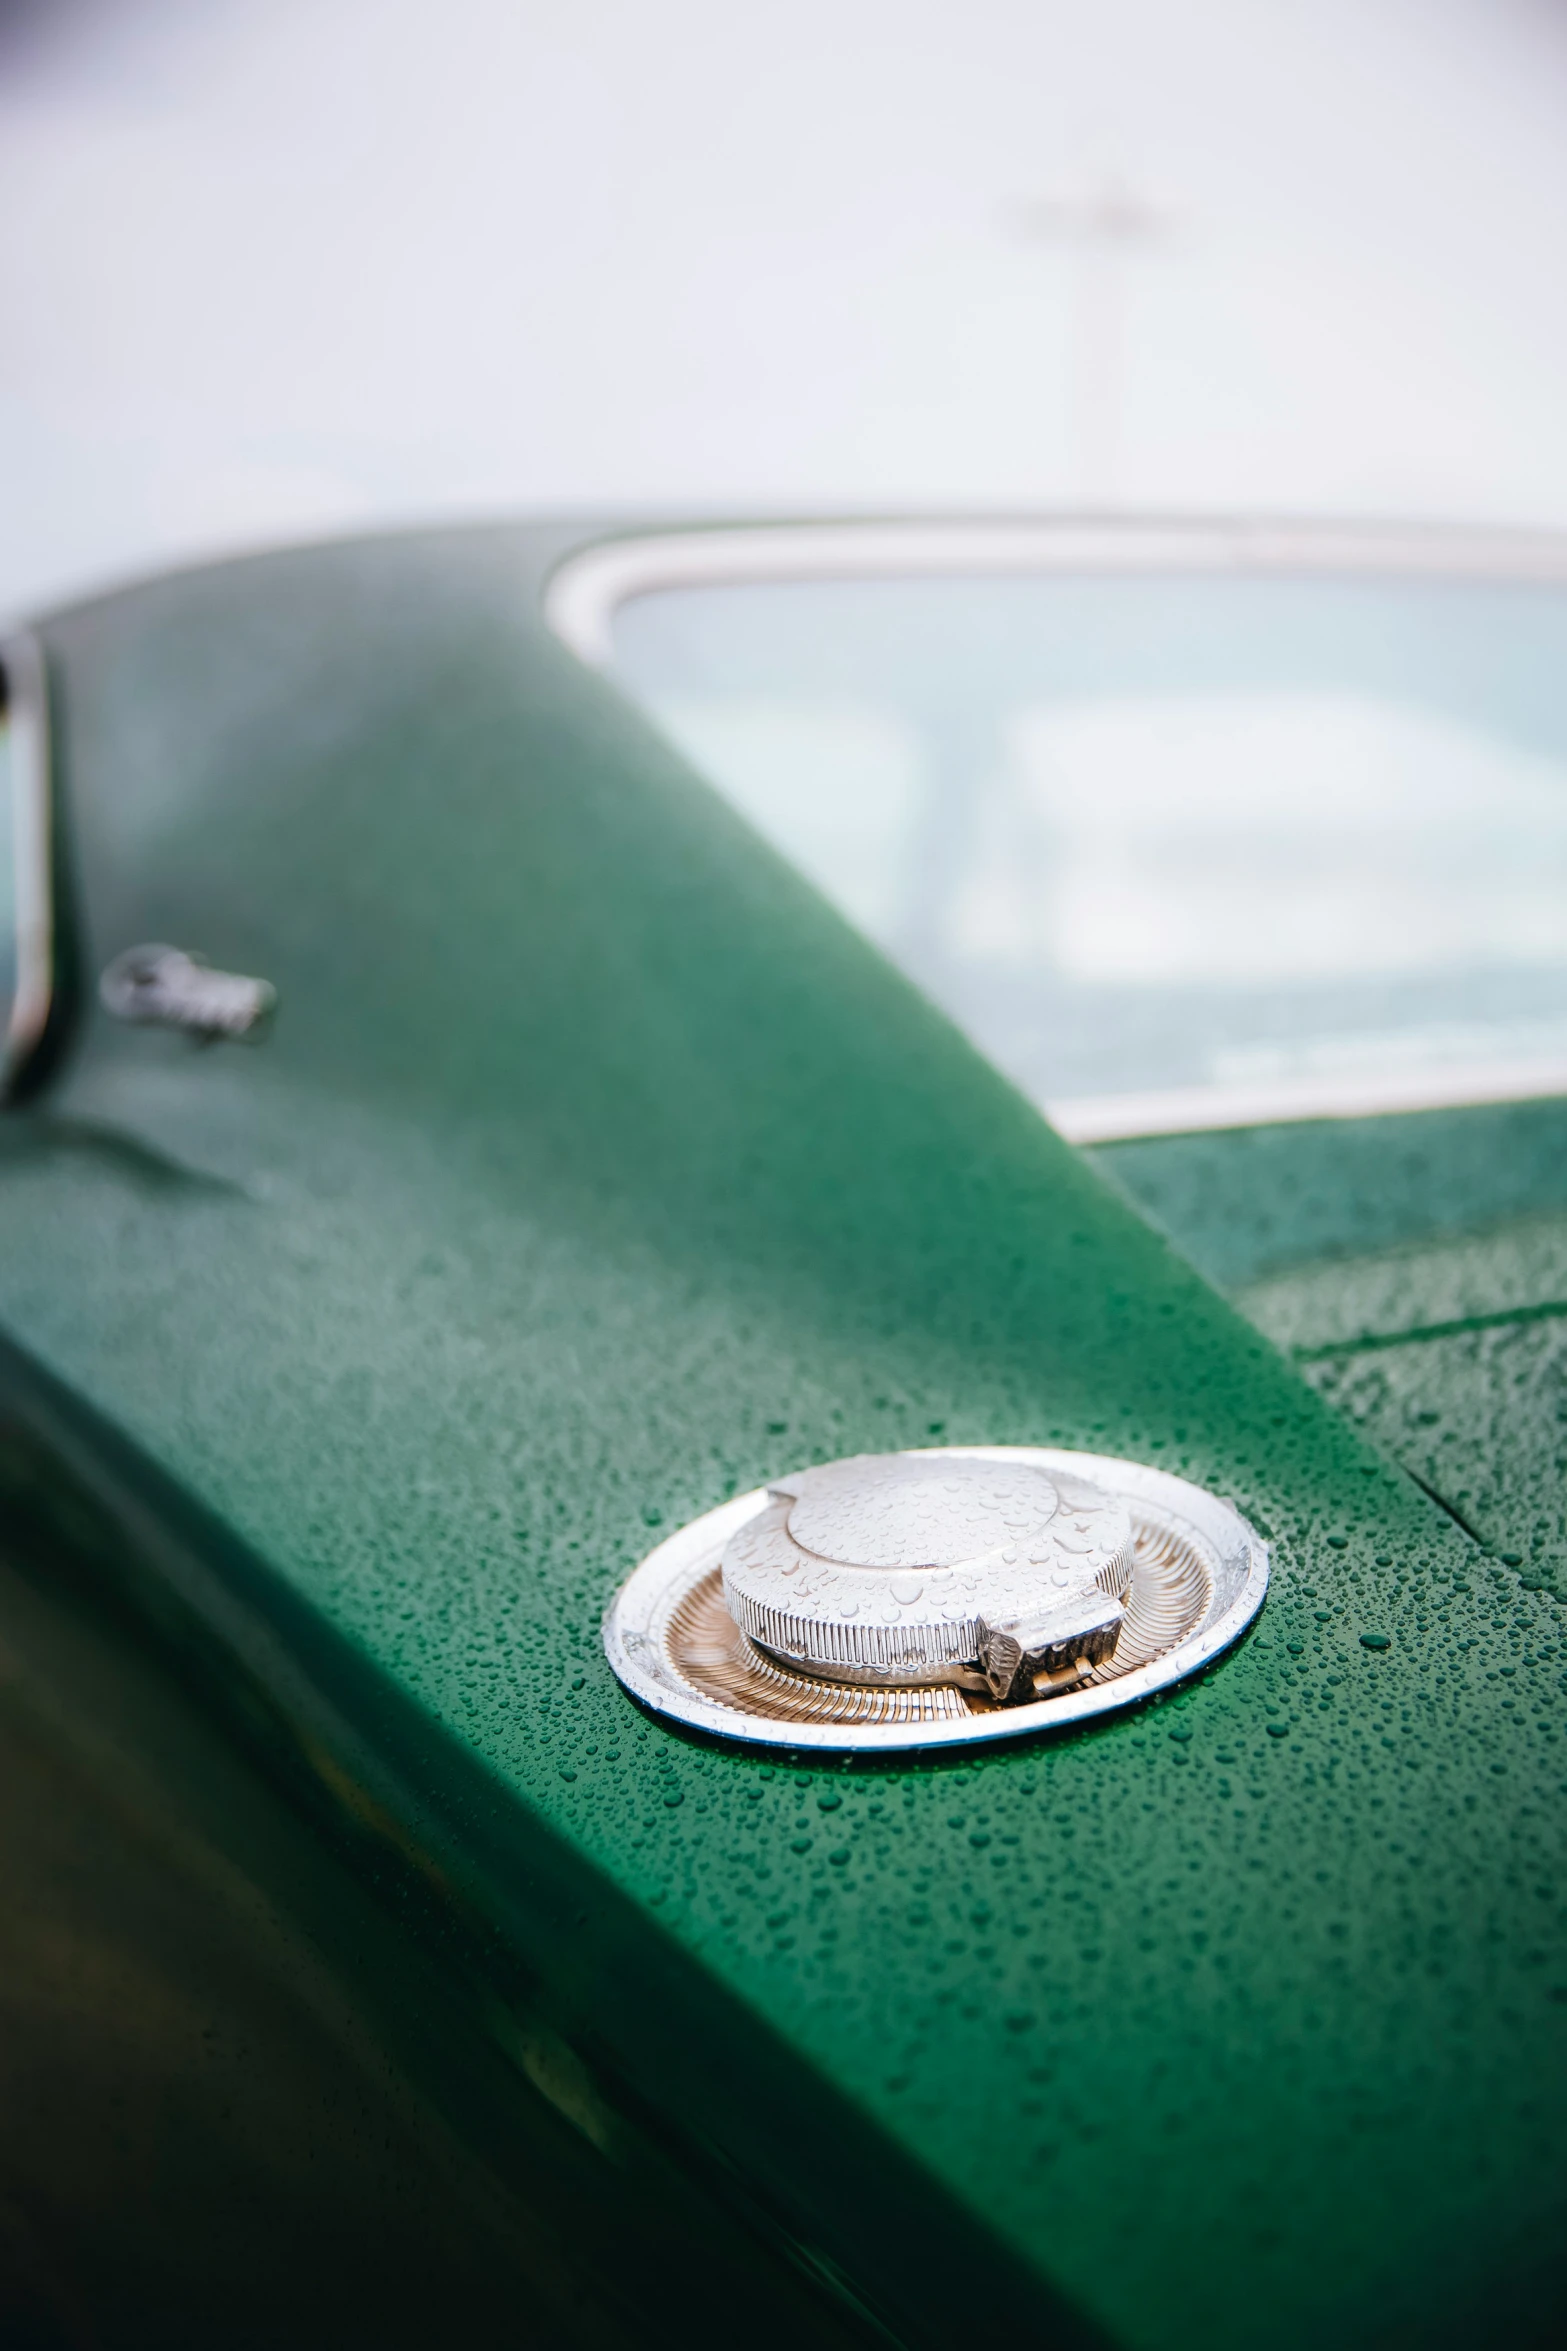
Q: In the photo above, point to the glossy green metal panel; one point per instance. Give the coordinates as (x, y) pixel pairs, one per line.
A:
(594, 1172)
(1444, 1342)
(268, 2075)
(1246, 1203)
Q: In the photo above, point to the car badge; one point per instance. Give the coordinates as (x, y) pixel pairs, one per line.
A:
(163, 987)
(934, 1598)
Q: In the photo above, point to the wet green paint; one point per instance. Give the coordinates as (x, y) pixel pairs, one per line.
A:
(594, 1172)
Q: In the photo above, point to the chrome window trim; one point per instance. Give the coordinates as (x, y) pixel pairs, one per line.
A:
(27, 718)
(585, 590)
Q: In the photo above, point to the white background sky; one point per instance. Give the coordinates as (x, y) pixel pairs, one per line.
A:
(304, 265)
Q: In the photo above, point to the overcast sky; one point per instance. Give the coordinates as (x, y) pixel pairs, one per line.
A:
(308, 265)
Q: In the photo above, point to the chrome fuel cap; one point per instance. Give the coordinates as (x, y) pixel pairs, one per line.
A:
(929, 1599)
(896, 1568)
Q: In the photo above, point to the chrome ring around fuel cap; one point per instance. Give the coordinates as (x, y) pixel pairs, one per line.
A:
(930, 1599)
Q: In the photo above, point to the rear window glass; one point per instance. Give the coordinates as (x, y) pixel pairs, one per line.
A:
(1173, 850)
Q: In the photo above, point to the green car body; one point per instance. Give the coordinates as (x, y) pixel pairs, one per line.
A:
(594, 1171)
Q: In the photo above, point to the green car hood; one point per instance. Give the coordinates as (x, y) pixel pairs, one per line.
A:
(595, 1171)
